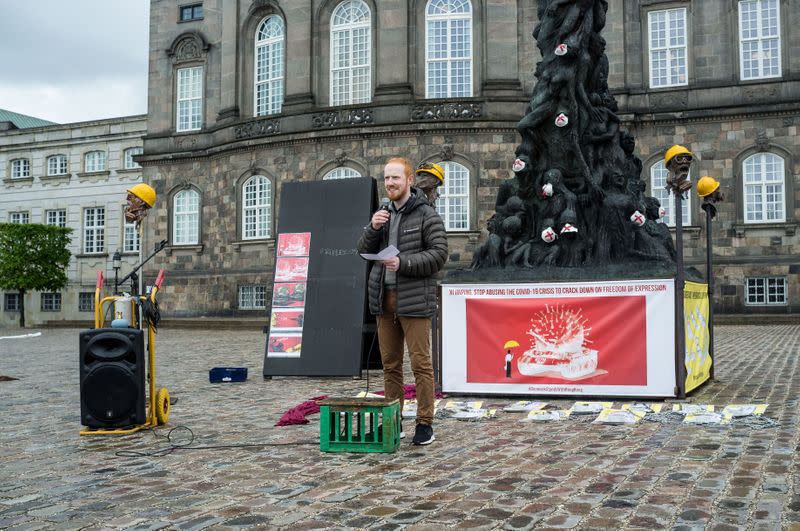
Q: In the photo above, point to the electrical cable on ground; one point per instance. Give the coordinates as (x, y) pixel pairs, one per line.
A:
(185, 445)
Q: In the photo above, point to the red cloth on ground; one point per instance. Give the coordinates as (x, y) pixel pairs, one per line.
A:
(297, 415)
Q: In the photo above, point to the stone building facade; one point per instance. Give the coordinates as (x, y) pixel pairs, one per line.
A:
(72, 175)
(245, 95)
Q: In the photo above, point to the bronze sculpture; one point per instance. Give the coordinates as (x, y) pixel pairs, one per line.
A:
(576, 198)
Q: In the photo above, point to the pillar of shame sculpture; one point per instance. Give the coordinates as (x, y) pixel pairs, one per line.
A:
(576, 199)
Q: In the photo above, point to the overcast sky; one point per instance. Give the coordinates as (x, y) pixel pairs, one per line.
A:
(74, 60)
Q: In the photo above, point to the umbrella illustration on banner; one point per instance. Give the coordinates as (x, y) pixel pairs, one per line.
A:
(509, 356)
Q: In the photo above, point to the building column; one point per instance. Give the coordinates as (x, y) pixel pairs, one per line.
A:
(228, 108)
(392, 51)
(299, 95)
(501, 75)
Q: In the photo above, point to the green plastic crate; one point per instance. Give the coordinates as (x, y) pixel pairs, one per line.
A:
(359, 425)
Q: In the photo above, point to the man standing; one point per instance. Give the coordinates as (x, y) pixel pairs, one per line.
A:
(402, 289)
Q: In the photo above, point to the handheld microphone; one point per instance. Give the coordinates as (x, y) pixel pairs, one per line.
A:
(384, 204)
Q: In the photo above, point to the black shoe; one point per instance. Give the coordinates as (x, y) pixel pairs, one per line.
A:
(423, 435)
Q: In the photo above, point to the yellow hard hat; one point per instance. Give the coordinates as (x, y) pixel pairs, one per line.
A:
(431, 168)
(673, 151)
(144, 192)
(706, 186)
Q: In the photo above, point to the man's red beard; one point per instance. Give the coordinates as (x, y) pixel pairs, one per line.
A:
(394, 194)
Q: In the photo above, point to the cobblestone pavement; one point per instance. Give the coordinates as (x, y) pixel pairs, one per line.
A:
(499, 473)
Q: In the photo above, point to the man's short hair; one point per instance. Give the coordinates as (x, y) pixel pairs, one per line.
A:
(407, 167)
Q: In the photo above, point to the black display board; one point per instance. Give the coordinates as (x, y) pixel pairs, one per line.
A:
(335, 318)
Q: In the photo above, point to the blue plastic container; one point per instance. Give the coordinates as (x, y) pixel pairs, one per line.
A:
(227, 374)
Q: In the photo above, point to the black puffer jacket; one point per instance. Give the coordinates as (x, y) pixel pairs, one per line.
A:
(422, 242)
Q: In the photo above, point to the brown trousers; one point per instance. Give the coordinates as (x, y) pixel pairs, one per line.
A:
(392, 330)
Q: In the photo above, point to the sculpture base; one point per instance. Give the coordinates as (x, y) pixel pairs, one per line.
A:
(580, 338)
(631, 270)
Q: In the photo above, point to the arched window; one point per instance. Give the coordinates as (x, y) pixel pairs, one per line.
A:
(256, 208)
(94, 161)
(658, 182)
(453, 202)
(186, 218)
(764, 188)
(350, 53)
(448, 49)
(341, 173)
(268, 91)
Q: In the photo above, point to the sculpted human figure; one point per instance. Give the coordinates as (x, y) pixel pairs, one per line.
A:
(615, 225)
(653, 240)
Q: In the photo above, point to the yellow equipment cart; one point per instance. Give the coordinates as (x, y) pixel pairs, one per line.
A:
(106, 387)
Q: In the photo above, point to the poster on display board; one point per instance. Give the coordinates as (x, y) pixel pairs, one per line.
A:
(614, 338)
(289, 295)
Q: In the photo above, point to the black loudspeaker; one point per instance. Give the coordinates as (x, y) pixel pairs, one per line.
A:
(112, 377)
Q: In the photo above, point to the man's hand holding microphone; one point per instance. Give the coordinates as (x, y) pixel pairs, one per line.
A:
(379, 219)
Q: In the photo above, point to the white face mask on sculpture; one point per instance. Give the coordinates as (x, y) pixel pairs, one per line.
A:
(561, 120)
(561, 49)
(518, 165)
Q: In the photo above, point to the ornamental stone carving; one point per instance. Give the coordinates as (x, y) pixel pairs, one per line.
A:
(188, 47)
(340, 118)
(762, 141)
(340, 157)
(446, 111)
(258, 128)
(675, 100)
(446, 152)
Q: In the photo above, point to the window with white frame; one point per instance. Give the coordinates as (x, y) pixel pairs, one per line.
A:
(270, 42)
(21, 218)
(131, 164)
(256, 208)
(130, 238)
(86, 301)
(11, 302)
(667, 30)
(658, 183)
(20, 168)
(764, 192)
(252, 297)
(51, 302)
(765, 290)
(57, 165)
(189, 88)
(453, 202)
(186, 218)
(94, 161)
(342, 172)
(94, 230)
(56, 217)
(759, 39)
(448, 49)
(350, 53)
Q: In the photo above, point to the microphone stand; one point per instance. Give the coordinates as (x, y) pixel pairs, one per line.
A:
(133, 276)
